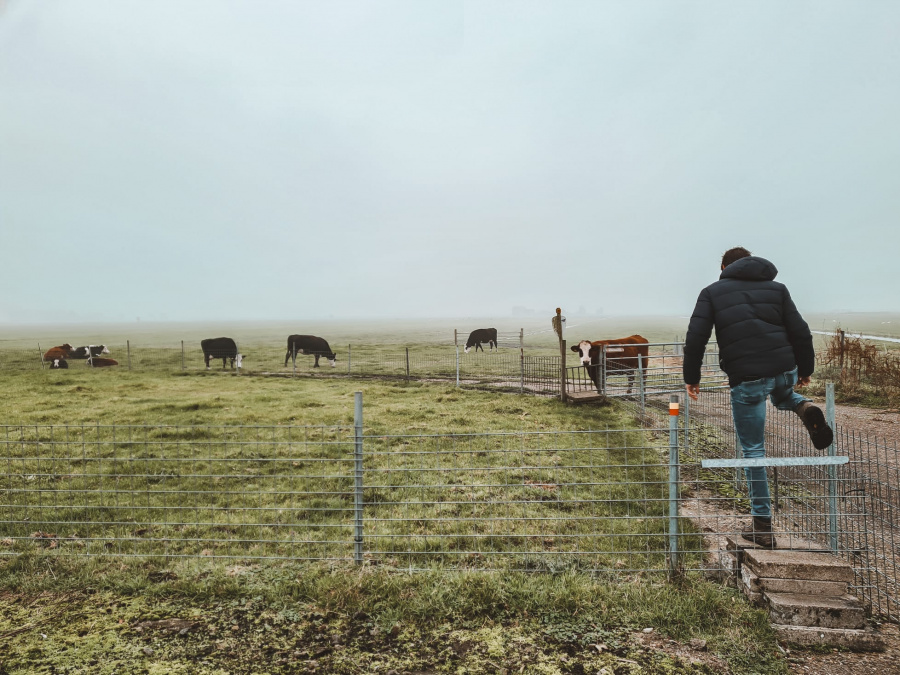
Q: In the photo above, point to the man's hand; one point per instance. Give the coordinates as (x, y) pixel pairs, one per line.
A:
(693, 390)
(803, 381)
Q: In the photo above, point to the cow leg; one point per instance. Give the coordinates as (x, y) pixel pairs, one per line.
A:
(316, 365)
(206, 360)
(224, 362)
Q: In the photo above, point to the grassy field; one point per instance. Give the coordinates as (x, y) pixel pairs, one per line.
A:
(243, 615)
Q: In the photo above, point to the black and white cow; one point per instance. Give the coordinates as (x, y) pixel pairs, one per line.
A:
(308, 344)
(58, 363)
(221, 348)
(476, 337)
(89, 351)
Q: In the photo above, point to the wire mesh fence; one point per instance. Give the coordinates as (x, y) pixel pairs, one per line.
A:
(228, 491)
(657, 372)
(635, 500)
(850, 510)
(581, 500)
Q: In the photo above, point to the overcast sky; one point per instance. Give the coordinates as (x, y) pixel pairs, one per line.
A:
(197, 160)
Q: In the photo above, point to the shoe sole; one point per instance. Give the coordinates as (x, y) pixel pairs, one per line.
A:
(819, 432)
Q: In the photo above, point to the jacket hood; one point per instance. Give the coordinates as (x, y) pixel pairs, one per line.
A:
(751, 268)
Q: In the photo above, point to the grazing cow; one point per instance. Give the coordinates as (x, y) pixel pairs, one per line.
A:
(58, 363)
(479, 335)
(98, 362)
(89, 351)
(308, 344)
(221, 348)
(622, 354)
(60, 352)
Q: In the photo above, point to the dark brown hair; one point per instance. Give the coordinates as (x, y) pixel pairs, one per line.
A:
(734, 254)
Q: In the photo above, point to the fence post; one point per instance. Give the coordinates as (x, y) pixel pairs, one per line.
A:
(687, 422)
(457, 365)
(673, 485)
(407, 363)
(601, 387)
(358, 478)
(641, 376)
(41, 354)
(738, 450)
(182, 354)
(562, 370)
(832, 471)
(521, 360)
(128, 352)
(348, 359)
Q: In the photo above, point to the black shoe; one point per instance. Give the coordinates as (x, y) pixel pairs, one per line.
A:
(814, 420)
(760, 532)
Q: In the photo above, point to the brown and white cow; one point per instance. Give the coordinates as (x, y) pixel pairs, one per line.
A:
(58, 352)
(98, 362)
(622, 354)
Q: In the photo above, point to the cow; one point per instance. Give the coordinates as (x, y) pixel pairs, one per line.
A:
(58, 363)
(622, 354)
(479, 335)
(89, 351)
(308, 344)
(59, 352)
(221, 348)
(98, 362)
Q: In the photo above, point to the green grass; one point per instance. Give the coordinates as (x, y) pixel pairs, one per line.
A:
(284, 488)
(281, 616)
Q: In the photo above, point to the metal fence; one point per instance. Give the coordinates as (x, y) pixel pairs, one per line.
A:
(657, 373)
(851, 510)
(554, 500)
(608, 500)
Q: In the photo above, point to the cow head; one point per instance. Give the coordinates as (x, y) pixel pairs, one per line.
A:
(584, 349)
(104, 349)
(331, 359)
(238, 360)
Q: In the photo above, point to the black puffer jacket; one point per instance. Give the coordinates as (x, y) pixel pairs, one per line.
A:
(759, 330)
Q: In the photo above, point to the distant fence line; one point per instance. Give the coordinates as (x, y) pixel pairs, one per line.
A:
(513, 366)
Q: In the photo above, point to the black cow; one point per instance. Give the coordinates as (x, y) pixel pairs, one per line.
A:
(58, 363)
(476, 337)
(308, 344)
(221, 348)
(89, 351)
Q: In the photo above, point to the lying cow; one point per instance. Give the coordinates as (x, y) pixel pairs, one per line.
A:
(622, 354)
(98, 362)
(221, 348)
(308, 344)
(58, 363)
(89, 351)
(479, 335)
(60, 352)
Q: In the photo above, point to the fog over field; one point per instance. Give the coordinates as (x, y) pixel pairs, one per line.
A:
(313, 162)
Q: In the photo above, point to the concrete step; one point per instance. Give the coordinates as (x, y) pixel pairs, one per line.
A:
(753, 583)
(796, 609)
(806, 565)
(785, 542)
(866, 640)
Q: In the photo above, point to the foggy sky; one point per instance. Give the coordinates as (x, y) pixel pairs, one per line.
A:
(206, 160)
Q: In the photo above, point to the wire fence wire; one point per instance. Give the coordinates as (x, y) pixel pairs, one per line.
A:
(581, 500)
(595, 500)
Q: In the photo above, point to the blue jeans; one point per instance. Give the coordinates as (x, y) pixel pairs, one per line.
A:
(748, 406)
